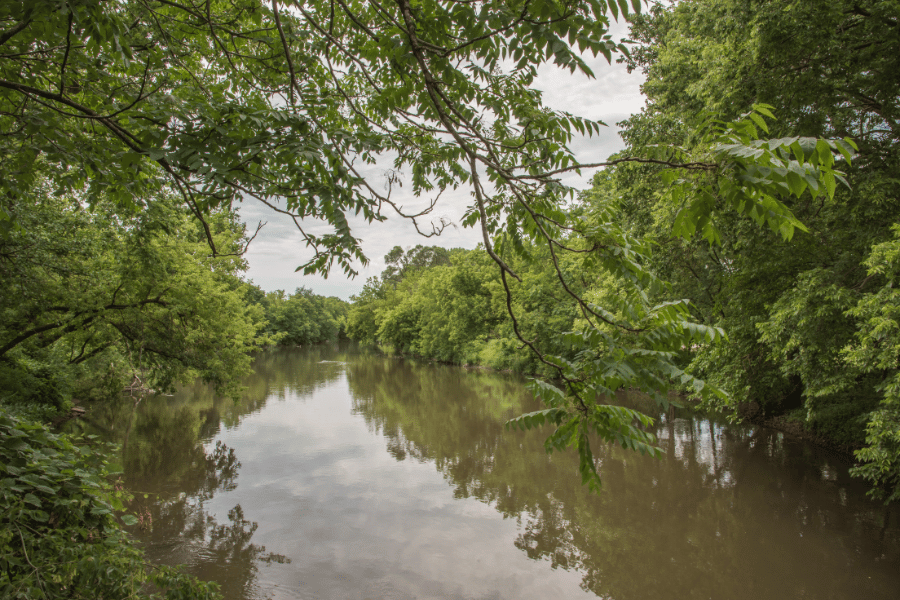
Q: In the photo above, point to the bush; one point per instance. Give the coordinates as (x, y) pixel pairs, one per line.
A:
(30, 381)
(59, 536)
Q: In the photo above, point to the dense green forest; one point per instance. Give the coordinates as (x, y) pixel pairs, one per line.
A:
(300, 318)
(743, 246)
(96, 302)
(451, 307)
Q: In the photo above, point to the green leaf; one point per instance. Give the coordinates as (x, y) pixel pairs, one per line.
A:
(39, 515)
(846, 148)
(823, 150)
(759, 121)
(764, 109)
(536, 419)
(830, 184)
(796, 183)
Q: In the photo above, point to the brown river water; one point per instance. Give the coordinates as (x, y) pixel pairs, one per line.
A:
(344, 474)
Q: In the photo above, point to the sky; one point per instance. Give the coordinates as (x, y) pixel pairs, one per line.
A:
(278, 249)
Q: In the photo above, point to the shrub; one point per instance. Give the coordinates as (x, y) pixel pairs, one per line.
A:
(59, 534)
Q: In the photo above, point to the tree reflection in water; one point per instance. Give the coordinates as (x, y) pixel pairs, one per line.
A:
(183, 532)
(728, 512)
(167, 455)
(714, 514)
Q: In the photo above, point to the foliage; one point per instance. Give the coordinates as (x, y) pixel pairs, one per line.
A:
(401, 263)
(225, 101)
(876, 350)
(827, 66)
(88, 287)
(794, 312)
(638, 345)
(301, 318)
(59, 536)
(455, 311)
(131, 96)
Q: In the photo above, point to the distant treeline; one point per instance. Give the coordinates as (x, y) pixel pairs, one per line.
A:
(300, 318)
(450, 306)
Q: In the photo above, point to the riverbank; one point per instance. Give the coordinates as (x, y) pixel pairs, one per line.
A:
(798, 430)
(750, 413)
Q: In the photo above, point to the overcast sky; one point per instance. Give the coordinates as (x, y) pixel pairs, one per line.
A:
(278, 249)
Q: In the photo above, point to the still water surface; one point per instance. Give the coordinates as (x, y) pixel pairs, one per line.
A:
(344, 474)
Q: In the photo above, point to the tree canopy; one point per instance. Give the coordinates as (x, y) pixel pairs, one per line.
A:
(800, 315)
(91, 292)
(284, 103)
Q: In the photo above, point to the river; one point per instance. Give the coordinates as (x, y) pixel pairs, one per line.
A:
(345, 474)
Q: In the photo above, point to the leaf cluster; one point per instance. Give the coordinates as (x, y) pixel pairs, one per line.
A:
(60, 537)
(796, 313)
(86, 287)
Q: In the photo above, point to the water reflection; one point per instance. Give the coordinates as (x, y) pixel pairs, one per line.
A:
(730, 512)
(372, 477)
(175, 469)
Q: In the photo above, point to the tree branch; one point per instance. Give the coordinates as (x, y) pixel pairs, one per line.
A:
(287, 52)
(9, 33)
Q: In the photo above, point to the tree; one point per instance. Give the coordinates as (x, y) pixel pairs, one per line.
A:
(830, 67)
(88, 286)
(303, 317)
(401, 263)
(456, 312)
(225, 101)
(799, 315)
